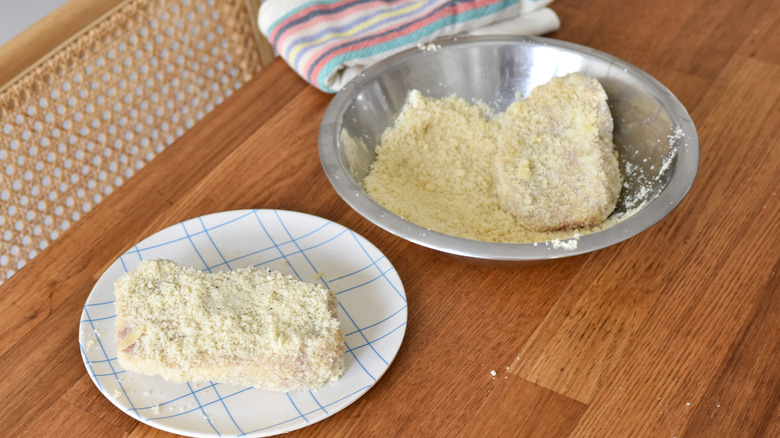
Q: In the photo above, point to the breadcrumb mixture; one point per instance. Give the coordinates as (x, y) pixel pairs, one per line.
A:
(440, 167)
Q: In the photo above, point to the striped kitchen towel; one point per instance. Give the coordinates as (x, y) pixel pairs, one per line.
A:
(328, 42)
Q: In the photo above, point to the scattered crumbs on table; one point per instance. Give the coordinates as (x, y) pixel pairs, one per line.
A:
(493, 373)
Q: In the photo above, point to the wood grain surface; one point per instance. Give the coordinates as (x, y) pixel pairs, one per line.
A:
(675, 332)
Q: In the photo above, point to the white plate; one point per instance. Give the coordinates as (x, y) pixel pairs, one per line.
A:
(372, 312)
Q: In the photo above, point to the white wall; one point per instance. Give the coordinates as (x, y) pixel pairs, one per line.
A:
(17, 15)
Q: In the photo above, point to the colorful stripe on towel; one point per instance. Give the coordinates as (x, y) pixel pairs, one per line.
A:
(317, 38)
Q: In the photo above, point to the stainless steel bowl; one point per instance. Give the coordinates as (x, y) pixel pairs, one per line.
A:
(655, 137)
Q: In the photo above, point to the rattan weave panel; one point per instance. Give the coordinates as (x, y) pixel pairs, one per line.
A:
(84, 120)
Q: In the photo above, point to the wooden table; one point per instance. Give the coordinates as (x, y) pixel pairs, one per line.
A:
(675, 332)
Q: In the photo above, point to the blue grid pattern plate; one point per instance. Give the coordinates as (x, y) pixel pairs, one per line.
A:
(372, 312)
